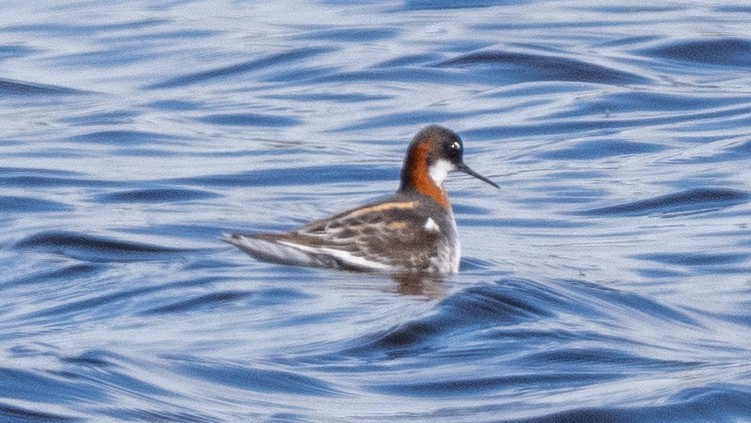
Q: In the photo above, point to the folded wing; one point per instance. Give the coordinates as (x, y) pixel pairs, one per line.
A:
(390, 236)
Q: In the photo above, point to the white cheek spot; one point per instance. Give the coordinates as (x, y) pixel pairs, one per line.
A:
(431, 226)
(439, 170)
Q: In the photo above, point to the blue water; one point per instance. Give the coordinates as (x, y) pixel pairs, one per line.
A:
(609, 280)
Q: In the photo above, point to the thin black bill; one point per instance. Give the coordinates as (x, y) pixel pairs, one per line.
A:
(464, 168)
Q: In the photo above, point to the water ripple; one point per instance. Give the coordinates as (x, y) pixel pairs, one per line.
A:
(26, 88)
(486, 385)
(702, 403)
(122, 137)
(253, 379)
(539, 67)
(14, 51)
(714, 51)
(36, 386)
(694, 259)
(697, 200)
(281, 176)
(212, 300)
(75, 29)
(69, 272)
(594, 150)
(250, 119)
(350, 34)
(476, 307)
(278, 59)
(94, 248)
(607, 281)
(14, 204)
(155, 195)
(17, 414)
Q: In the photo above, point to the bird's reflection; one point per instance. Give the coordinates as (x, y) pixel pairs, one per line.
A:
(429, 286)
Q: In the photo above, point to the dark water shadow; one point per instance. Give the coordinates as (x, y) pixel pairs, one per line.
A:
(92, 248)
(10, 87)
(725, 51)
(272, 60)
(699, 200)
(541, 67)
(155, 195)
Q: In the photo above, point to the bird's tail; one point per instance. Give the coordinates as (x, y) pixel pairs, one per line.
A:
(269, 247)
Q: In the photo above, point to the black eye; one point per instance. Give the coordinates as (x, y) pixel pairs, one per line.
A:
(455, 146)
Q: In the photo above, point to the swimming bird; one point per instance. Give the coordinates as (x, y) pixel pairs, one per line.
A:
(411, 232)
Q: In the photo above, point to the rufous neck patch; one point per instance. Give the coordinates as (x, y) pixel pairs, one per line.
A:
(419, 175)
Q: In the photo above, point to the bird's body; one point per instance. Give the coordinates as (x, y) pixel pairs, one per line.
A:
(413, 231)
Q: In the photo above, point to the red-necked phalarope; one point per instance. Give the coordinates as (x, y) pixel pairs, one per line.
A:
(413, 231)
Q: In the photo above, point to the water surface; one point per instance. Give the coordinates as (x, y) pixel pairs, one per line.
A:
(608, 280)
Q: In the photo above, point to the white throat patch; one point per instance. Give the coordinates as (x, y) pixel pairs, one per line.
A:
(439, 170)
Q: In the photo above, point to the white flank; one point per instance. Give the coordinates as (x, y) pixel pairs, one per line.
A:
(344, 256)
(270, 250)
(439, 170)
(431, 226)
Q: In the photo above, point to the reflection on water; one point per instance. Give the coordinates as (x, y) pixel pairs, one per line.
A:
(428, 286)
(606, 281)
